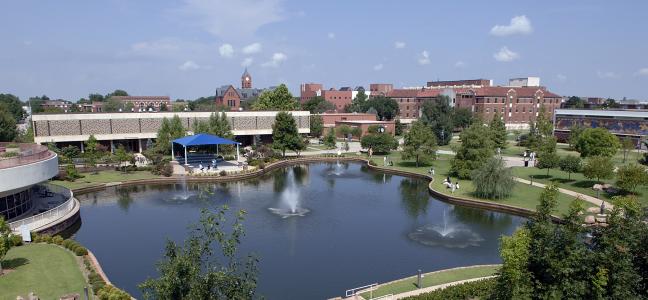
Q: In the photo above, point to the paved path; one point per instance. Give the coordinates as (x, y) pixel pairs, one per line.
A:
(588, 198)
(426, 290)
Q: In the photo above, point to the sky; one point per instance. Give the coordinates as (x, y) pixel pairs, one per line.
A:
(187, 48)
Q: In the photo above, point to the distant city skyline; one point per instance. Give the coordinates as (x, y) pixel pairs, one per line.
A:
(187, 49)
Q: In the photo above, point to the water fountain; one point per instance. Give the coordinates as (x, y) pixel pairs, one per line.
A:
(184, 193)
(447, 235)
(290, 200)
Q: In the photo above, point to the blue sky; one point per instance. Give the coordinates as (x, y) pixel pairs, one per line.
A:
(185, 49)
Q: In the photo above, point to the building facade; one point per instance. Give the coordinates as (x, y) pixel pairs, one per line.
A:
(145, 103)
(622, 123)
(228, 96)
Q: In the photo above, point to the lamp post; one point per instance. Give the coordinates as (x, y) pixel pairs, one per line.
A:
(418, 279)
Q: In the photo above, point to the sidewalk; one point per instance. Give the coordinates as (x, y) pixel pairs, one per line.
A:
(588, 198)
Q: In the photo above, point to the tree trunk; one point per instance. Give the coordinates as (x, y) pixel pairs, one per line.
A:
(569, 175)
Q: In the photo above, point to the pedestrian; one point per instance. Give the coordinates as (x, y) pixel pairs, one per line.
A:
(453, 187)
(385, 161)
(457, 185)
(370, 152)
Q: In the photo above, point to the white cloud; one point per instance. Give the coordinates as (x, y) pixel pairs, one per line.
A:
(155, 47)
(399, 45)
(561, 77)
(189, 65)
(276, 60)
(607, 74)
(518, 25)
(642, 72)
(506, 55)
(378, 67)
(425, 58)
(247, 62)
(231, 19)
(226, 50)
(331, 35)
(460, 64)
(252, 48)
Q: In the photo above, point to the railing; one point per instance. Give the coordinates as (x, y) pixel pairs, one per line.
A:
(385, 297)
(354, 291)
(28, 153)
(49, 216)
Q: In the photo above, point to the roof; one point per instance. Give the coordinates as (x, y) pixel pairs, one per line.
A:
(602, 113)
(141, 97)
(203, 139)
(245, 73)
(520, 91)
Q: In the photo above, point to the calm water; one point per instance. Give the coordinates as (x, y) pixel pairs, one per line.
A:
(360, 227)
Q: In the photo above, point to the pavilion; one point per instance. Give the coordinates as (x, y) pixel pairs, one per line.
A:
(203, 139)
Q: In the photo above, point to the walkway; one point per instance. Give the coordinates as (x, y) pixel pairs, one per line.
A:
(588, 198)
(433, 288)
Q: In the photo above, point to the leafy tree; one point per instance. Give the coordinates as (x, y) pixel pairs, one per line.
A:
(548, 160)
(574, 102)
(462, 117)
(207, 265)
(574, 133)
(570, 164)
(112, 105)
(356, 132)
(627, 145)
(599, 167)
(498, 131)
(344, 130)
(117, 93)
(543, 123)
(358, 104)
(386, 108)
(493, 180)
(597, 142)
(277, 99)
(610, 103)
(316, 125)
(95, 98)
(70, 152)
(219, 126)
(285, 135)
(631, 176)
(92, 151)
(515, 279)
(123, 157)
(317, 105)
(399, 127)
(475, 149)
(379, 142)
(5, 240)
(27, 135)
(169, 130)
(8, 130)
(419, 143)
(329, 139)
(438, 115)
(13, 106)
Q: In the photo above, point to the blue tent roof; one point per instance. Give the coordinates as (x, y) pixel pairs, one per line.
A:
(203, 139)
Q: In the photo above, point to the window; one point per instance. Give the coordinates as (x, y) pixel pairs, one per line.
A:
(487, 109)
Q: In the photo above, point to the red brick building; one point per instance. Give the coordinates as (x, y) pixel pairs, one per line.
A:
(382, 89)
(460, 83)
(228, 96)
(145, 103)
(309, 90)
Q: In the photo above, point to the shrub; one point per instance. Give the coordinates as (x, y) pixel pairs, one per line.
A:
(57, 240)
(71, 173)
(372, 163)
(46, 239)
(110, 292)
(223, 173)
(261, 165)
(9, 154)
(36, 238)
(66, 243)
(493, 180)
(95, 281)
(167, 170)
(16, 240)
(481, 289)
(80, 251)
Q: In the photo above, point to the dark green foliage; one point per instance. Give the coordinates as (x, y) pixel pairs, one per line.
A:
(169, 131)
(358, 104)
(277, 99)
(380, 143)
(386, 108)
(419, 143)
(317, 105)
(16, 240)
(462, 118)
(71, 173)
(598, 167)
(574, 102)
(8, 130)
(110, 292)
(498, 131)
(438, 115)
(480, 289)
(597, 142)
(13, 106)
(329, 139)
(548, 160)
(476, 148)
(631, 176)
(570, 164)
(574, 133)
(285, 135)
(316, 126)
(493, 180)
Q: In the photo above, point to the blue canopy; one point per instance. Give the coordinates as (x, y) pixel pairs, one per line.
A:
(203, 139)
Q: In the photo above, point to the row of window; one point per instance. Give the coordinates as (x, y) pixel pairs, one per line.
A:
(518, 100)
(504, 110)
(15, 205)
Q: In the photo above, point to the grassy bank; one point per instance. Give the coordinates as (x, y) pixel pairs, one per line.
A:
(432, 279)
(101, 177)
(47, 270)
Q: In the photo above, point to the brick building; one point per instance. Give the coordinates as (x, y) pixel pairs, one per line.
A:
(228, 96)
(145, 103)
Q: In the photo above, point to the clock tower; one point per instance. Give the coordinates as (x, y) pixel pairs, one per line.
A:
(246, 80)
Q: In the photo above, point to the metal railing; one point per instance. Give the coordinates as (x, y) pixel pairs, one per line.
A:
(28, 153)
(385, 297)
(39, 220)
(367, 288)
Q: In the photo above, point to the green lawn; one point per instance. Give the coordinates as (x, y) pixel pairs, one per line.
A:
(104, 177)
(47, 270)
(524, 196)
(432, 279)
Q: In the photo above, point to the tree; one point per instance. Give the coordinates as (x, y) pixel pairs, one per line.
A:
(316, 125)
(627, 145)
(574, 133)
(207, 265)
(344, 131)
(570, 164)
(169, 130)
(399, 127)
(498, 131)
(277, 99)
(8, 130)
(317, 105)
(358, 104)
(599, 167)
(543, 123)
(438, 115)
(475, 149)
(95, 98)
(329, 139)
(91, 151)
(13, 106)
(285, 135)
(356, 132)
(631, 176)
(514, 281)
(5, 240)
(386, 108)
(493, 180)
(574, 102)
(112, 105)
(117, 93)
(548, 160)
(462, 117)
(597, 142)
(610, 103)
(379, 142)
(419, 143)
(219, 126)
(123, 157)
(70, 152)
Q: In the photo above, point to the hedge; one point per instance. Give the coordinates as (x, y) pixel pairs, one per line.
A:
(480, 289)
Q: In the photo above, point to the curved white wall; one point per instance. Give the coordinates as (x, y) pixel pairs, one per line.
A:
(20, 177)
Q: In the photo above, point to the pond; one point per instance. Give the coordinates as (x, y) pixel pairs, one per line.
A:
(318, 229)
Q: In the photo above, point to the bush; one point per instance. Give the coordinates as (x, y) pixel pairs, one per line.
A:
(493, 180)
(71, 173)
(223, 173)
(16, 240)
(261, 165)
(10, 154)
(110, 292)
(57, 240)
(96, 281)
(481, 289)
(66, 243)
(372, 163)
(46, 238)
(167, 170)
(80, 251)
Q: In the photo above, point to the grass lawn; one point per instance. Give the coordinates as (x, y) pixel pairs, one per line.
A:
(578, 182)
(47, 270)
(524, 196)
(104, 177)
(436, 278)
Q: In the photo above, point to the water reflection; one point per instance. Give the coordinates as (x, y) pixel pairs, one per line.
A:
(480, 217)
(414, 196)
